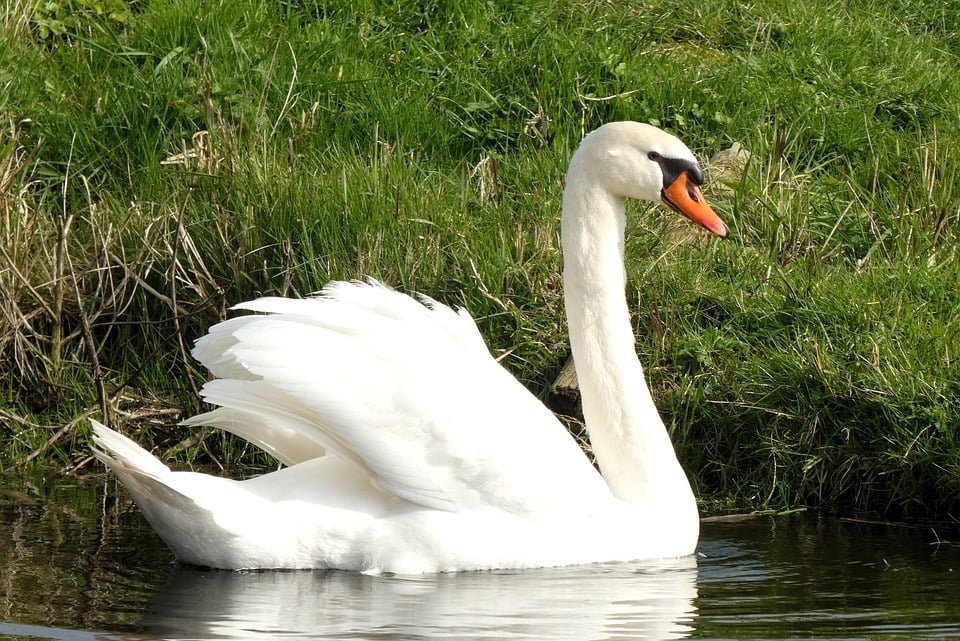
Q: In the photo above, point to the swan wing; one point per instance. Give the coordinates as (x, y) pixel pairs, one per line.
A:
(403, 387)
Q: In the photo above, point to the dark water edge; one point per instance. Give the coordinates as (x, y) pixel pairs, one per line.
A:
(77, 554)
(79, 562)
(823, 577)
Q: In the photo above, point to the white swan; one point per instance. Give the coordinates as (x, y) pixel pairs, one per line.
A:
(409, 448)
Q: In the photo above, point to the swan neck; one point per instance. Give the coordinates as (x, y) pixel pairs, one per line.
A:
(628, 437)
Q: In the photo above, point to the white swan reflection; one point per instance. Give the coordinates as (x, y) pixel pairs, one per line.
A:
(616, 601)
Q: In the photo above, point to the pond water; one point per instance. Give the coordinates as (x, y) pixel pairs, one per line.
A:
(79, 562)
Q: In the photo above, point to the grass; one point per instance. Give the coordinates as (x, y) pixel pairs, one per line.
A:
(161, 161)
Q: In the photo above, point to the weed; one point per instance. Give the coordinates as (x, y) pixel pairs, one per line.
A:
(161, 161)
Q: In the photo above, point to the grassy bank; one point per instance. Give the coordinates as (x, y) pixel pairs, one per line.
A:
(161, 161)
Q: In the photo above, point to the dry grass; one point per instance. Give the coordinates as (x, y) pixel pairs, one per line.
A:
(68, 282)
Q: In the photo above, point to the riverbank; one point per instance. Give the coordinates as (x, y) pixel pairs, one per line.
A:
(162, 161)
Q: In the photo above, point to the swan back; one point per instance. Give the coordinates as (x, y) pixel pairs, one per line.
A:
(404, 389)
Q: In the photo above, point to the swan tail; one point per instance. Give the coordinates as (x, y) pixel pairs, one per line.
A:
(149, 481)
(196, 515)
(118, 452)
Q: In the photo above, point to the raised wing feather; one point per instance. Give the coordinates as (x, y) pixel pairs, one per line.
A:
(405, 389)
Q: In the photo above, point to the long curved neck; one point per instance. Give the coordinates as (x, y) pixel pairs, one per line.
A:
(627, 434)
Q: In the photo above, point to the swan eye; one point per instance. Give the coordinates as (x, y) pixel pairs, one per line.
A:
(673, 167)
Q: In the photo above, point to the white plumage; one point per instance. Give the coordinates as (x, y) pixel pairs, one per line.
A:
(409, 448)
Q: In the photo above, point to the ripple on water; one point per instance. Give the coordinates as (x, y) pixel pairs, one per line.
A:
(81, 563)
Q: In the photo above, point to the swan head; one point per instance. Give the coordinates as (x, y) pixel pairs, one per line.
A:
(636, 160)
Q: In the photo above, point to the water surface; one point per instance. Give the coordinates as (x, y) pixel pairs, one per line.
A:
(79, 562)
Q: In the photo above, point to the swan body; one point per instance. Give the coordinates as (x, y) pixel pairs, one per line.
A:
(408, 448)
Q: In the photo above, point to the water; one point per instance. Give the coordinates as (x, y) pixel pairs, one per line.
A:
(78, 563)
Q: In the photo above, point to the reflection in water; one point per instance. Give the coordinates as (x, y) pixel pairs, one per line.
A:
(596, 602)
(73, 557)
(78, 562)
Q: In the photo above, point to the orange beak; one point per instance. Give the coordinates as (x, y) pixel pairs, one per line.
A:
(684, 196)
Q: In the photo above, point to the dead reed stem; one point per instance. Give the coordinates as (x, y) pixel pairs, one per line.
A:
(178, 329)
(70, 281)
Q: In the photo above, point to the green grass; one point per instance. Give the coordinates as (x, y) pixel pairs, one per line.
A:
(812, 359)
